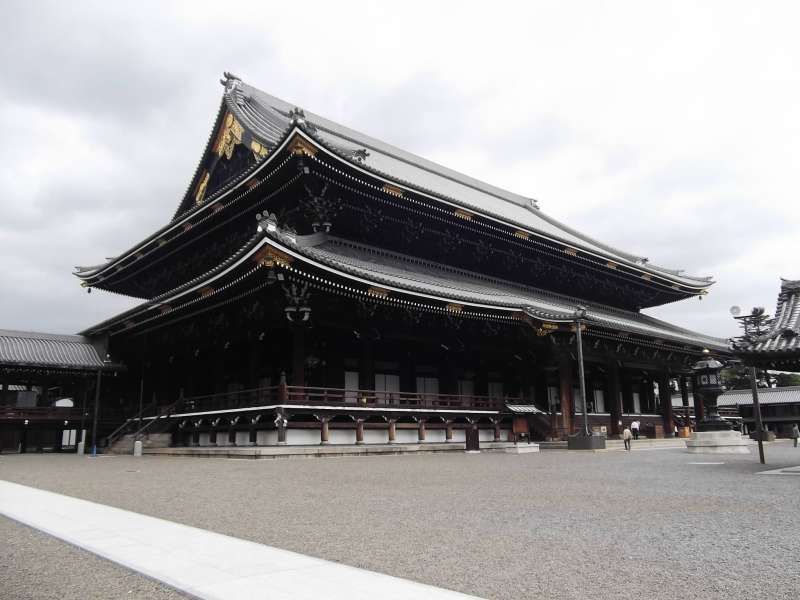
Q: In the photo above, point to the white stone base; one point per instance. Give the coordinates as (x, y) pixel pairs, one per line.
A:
(718, 442)
(137, 448)
(522, 449)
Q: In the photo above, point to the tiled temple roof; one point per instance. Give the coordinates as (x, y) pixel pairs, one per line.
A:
(427, 280)
(270, 117)
(442, 281)
(784, 334)
(29, 349)
(272, 121)
(779, 395)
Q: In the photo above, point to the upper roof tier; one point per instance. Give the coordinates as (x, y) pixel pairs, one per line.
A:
(269, 117)
(267, 122)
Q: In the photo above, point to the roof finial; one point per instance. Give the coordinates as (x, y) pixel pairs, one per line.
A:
(229, 81)
(298, 117)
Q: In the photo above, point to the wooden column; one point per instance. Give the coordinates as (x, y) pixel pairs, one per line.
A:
(614, 399)
(366, 365)
(298, 356)
(665, 395)
(645, 390)
(684, 387)
(196, 437)
(359, 431)
(565, 391)
(324, 433)
(496, 423)
(627, 392)
(392, 430)
(448, 431)
(421, 430)
(699, 409)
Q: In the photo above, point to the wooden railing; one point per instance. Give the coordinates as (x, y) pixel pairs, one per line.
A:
(323, 396)
(42, 413)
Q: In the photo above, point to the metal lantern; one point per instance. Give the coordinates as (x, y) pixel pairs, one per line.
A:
(707, 381)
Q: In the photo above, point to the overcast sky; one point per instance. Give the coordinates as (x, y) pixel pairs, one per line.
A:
(670, 130)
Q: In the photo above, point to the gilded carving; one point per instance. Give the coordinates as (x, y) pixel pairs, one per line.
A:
(464, 214)
(201, 188)
(300, 146)
(380, 292)
(229, 135)
(269, 257)
(393, 190)
(523, 235)
(456, 308)
(571, 251)
(259, 150)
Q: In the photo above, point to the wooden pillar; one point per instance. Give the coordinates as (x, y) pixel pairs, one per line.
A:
(614, 399)
(366, 365)
(359, 431)
(324, 433)
(665, 395)
(421, 430)
(298, 356)
(565, 391)
(392, 430)
(627, 392)
(196, 437)
(212, 435)
(645, 389)
(496, 423)
(699, 409)
(448, 431)
(684, 391)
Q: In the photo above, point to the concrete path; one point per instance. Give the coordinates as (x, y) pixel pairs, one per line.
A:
(198, 562)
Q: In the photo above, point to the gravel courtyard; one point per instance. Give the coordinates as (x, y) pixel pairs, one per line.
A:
(644, 524)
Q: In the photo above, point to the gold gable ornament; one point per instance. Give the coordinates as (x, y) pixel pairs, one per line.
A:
(229, 135)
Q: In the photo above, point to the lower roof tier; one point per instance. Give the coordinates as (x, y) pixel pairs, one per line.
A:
(347, 268)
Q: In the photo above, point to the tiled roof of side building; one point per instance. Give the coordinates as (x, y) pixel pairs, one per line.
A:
(31, 349)
(256, 108)
(779, 395)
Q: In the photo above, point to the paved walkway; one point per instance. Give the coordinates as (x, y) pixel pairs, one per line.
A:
(199, 562)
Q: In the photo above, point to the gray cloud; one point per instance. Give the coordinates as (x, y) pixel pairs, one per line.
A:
(105, 107)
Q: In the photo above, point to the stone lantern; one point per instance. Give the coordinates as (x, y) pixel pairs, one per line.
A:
(707, 382)
(714, 435)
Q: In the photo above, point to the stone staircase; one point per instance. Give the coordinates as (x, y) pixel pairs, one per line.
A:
(124, 445)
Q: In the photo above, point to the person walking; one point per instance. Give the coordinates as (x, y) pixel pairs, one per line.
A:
(635, 429)
(795, 434)
(626, 438)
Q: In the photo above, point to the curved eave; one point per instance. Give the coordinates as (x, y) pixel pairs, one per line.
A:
(95, 276)
(690, 287)
(245, 262)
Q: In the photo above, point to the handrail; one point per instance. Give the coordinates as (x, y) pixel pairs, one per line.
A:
(165, 412)
(322, 396)
(117, 433)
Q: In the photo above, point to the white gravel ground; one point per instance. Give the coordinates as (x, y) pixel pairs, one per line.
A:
(553, 525)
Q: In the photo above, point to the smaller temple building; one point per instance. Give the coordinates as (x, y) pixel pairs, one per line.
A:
(47, 385)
